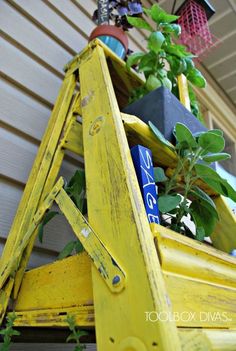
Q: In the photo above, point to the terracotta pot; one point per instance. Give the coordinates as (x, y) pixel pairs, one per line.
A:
(114, 37)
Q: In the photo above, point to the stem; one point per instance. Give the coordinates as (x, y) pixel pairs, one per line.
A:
(188, 177)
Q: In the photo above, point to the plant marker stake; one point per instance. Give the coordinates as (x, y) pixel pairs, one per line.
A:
(142, 159)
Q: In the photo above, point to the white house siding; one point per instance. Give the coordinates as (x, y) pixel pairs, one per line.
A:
(37, 38)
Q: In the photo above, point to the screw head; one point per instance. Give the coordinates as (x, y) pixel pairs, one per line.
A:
(233, 253)
(116, 280)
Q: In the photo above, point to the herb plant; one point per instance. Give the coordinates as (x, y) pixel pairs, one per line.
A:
(76, 334)
(179, 191)
(118, 11)
(163, 52)
(8, 332)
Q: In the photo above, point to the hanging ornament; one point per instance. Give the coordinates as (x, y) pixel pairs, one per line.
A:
(196, 35)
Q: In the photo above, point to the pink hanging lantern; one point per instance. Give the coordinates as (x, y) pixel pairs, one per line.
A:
(196, 35)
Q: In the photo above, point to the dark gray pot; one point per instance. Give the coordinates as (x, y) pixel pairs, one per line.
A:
(164, 110)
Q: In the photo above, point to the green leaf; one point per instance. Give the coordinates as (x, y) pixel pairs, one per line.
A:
(152, 83)
(214, 180)
(202, 217)
(190, 64)
(160, 136)
(196, 78)
(160, 16)
(139, 23)
(78, 247)
(178, 50)
(200, 233)
(204, 200)
(67, 250)
(159, 175)
(155, 41)
(184, 135)
(71, 337)
(167, 203)
(172, 28)
(216, 157)
(211, 142)
(76, 189)
(134, 59)
(147, 62)
(216, 131)
(48, 216)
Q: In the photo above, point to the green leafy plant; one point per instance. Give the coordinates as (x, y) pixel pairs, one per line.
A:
(163, 50)
(179, 192)
(76, 189)
(76, 334)
(8, 332)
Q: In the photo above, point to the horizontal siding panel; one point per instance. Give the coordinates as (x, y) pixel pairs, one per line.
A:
(20, 67)
(53, 23)
(17, 156)
(21, 111)
(73, 14)
(32, 38)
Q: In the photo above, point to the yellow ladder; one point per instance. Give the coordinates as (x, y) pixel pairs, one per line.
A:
(126, 273)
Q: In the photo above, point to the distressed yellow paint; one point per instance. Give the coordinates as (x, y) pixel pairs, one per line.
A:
(195, 276)
(118, 216)
(84, 317)
(59, 285)
(73, 138)
(183, 91)
(97, 251)
(224, 236)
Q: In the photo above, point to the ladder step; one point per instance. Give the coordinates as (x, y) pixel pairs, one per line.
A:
(200, 280)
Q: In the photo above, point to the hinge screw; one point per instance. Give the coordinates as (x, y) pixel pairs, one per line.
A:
(116, 280)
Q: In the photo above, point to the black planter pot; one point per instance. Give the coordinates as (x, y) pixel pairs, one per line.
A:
(164, 110)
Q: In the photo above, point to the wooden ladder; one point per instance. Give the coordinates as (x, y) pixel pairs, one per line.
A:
(129, 270)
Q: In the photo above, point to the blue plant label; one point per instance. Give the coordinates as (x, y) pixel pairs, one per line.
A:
(142, 159)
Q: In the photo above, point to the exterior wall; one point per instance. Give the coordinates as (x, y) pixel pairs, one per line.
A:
(37, 38)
